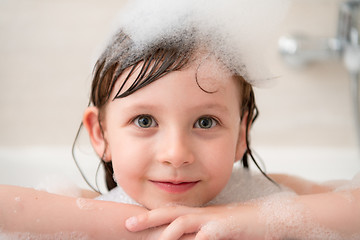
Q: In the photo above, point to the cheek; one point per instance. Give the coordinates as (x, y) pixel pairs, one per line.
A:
(221, 160)
(221, 155)
(219, 171)
(128, 161)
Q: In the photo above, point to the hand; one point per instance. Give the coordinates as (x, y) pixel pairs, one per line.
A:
(155, 233)
(239, 221)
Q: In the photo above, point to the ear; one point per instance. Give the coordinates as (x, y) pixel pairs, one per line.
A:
(241, 144)
(97, 139)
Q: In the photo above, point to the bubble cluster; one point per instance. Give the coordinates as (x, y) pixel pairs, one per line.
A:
(287, 219)
(85, 204)
(221, 229)
(238, 32)
(59, 185)
(245, 185)
(117, 195)
(342, 185)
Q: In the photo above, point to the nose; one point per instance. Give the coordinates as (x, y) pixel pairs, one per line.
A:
(176, 149)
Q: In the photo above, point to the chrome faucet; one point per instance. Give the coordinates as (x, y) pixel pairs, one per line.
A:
(345, 46)
(300, 49)
(348, 31)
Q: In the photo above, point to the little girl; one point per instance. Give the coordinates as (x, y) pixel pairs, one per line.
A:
(170, 119)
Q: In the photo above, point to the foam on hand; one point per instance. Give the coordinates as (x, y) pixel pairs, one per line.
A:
(236, 31)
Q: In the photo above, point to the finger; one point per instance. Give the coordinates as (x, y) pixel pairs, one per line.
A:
(202, 236)
(188, 237)
(155, 218)
(187, 224)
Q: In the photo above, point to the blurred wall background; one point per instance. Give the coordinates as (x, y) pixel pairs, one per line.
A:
(47, 49)
(310, 105)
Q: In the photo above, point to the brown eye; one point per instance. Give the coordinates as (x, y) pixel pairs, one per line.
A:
(205, 123)
(145, 121)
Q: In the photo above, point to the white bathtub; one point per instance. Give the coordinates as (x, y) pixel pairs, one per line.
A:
(32, 165)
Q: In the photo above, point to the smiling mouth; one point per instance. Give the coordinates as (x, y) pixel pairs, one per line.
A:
(175, 187)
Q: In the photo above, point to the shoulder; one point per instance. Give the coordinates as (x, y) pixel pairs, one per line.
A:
(300, 185)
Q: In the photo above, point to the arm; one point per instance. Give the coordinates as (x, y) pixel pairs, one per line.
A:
(337, 211)
(319, 214)
(299, 185)
(36, 212)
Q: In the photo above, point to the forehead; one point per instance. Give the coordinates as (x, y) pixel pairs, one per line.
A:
(195, 88)
(209, 74)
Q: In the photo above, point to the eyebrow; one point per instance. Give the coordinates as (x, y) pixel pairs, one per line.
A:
(149, 106)
(217, 107)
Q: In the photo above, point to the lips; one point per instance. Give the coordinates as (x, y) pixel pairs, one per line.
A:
(174, 187)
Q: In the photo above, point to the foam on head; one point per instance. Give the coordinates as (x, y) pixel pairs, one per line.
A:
(236, 31)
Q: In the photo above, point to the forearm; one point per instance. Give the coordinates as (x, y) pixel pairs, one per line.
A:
(336, 210)
(314, 216)
(37, 212)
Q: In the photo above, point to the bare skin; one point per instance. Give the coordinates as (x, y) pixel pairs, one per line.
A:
(318, 212)
(38, 212)
(175, 148)
(45, 213)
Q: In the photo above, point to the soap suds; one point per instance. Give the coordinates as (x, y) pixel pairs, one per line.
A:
(238, 32)
(221, 229)
(59, 185)
(84, 204)
(284, 218)
(354, 183)
(245, 185)
(117, 195)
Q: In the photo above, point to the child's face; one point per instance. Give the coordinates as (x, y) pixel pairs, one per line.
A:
(171, 142)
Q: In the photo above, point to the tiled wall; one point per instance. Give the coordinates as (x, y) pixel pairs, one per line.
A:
(47, 49)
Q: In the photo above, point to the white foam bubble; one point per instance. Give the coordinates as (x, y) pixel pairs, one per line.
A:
(84, 204)
(285, 218)
(354, 183)
(219, 229)
(59, 185)
(117, 195)
(237, 31)
(245, 185)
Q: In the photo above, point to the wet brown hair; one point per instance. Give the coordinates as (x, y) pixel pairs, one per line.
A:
(154, 61)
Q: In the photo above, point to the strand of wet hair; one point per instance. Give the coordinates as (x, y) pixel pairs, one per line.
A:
(147, 63)
(125, 81)
(158, 73)
(76, 162)
(248, 150)
(96, 175)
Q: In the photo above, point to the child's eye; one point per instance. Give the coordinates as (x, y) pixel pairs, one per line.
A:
(205, 123)
(145, 121)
